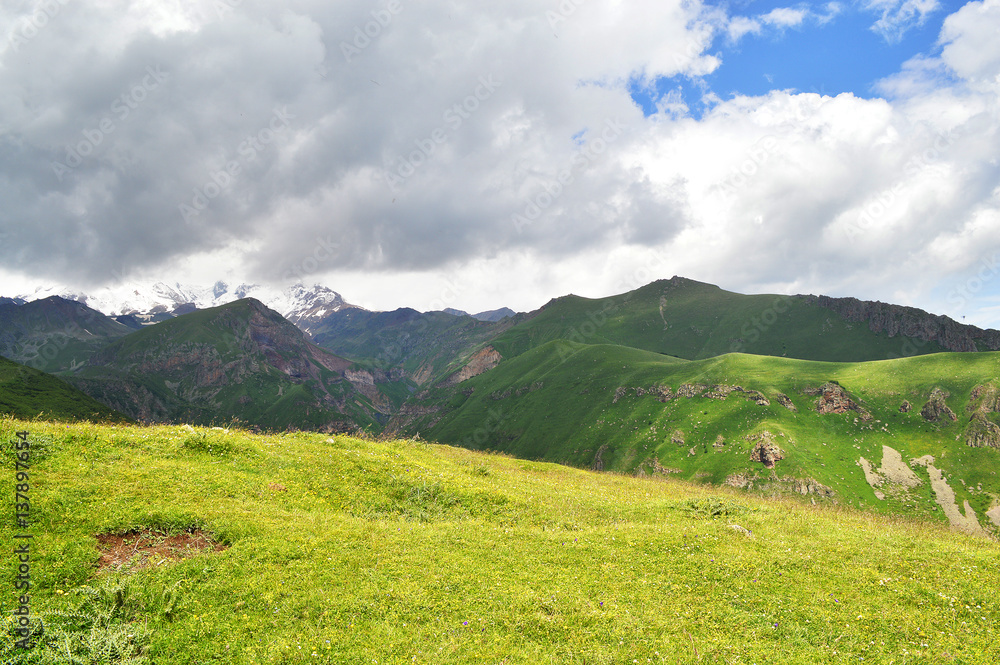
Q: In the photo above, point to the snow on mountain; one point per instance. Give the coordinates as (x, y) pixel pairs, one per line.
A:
(303, 306)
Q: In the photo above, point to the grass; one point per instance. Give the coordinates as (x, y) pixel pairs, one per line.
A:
(574, 403)
(27, 393)
(345, 550)
(693, 320)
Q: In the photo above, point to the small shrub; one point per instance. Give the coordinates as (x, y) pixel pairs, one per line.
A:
(712, 506)
(100, 630)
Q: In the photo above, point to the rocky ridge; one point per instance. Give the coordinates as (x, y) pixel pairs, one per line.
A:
(898, 320)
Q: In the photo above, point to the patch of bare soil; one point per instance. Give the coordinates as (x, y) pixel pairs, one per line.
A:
(142, 549)
(946, 499)
(994, 515)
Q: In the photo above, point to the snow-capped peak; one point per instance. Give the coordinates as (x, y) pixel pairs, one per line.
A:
(301, 305)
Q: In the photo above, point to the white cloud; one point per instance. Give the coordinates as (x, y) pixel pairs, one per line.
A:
(898, 16)
(778, 19)
(784, 17)
(740, 26)
(971, 47)
(787, 191)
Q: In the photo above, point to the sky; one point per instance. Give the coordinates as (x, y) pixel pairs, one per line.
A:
(477, 155)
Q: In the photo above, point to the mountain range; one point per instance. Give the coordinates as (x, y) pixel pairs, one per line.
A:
(834, 399)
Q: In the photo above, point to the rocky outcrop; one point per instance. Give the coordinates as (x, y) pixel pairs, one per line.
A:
(691, 389)
(757, 397)
(982, 432)
(834, 399)
(896, 320)
(722, 391)
(677, 437)
(598, 463)
(936, 409)
(482, 361)
(765, 450)
(786, 402)
(783, 485)
(984, 399)
(905, 407)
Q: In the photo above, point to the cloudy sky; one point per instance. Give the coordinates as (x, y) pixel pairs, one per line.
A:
(476, 155)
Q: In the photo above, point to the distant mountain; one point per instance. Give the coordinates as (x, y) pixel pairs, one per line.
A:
(240, 360)
(27, 393)
(54, 334)
(12, 301)
(491, 316)
(150, 303)
(692, 320)
(425, 347)
(495, 314)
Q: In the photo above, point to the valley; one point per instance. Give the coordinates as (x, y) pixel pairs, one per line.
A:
(824, 399)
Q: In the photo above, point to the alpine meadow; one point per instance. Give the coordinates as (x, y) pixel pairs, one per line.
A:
(541, 332)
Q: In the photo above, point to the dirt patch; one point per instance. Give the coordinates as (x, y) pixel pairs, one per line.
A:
(874, 479)
(945, 497)
(142, 549)
(994, 515)
(895, 470)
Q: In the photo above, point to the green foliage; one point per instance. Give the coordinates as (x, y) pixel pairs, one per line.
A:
(101, 628)
(711, 506)
(603, 406)
(28, 393)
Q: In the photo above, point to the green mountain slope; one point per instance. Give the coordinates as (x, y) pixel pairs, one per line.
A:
(693, 320)
(240, 361)
(305, 548)
(747, 421)
(27, 393)
(54, 334)
(422, 347)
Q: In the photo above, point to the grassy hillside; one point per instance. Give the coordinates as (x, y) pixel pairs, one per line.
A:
(239, 361)
(338, 550)
(425, 346)
(28, 393)
(693, 320)
(54, 334)
(622, 409)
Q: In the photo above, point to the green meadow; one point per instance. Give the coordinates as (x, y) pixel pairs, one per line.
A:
(347, 550)
(573, 403)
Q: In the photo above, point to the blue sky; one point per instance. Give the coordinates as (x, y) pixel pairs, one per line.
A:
(834, 49)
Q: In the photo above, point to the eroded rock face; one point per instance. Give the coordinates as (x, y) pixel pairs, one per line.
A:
(598, 463)
(982, 432)
(834, 399)
(757, 397)
(911, 322)
(482, 361)
(984, 399)
(766, 451)
(936, 409)
(787, 484)
(786, 402)
(691, 389)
